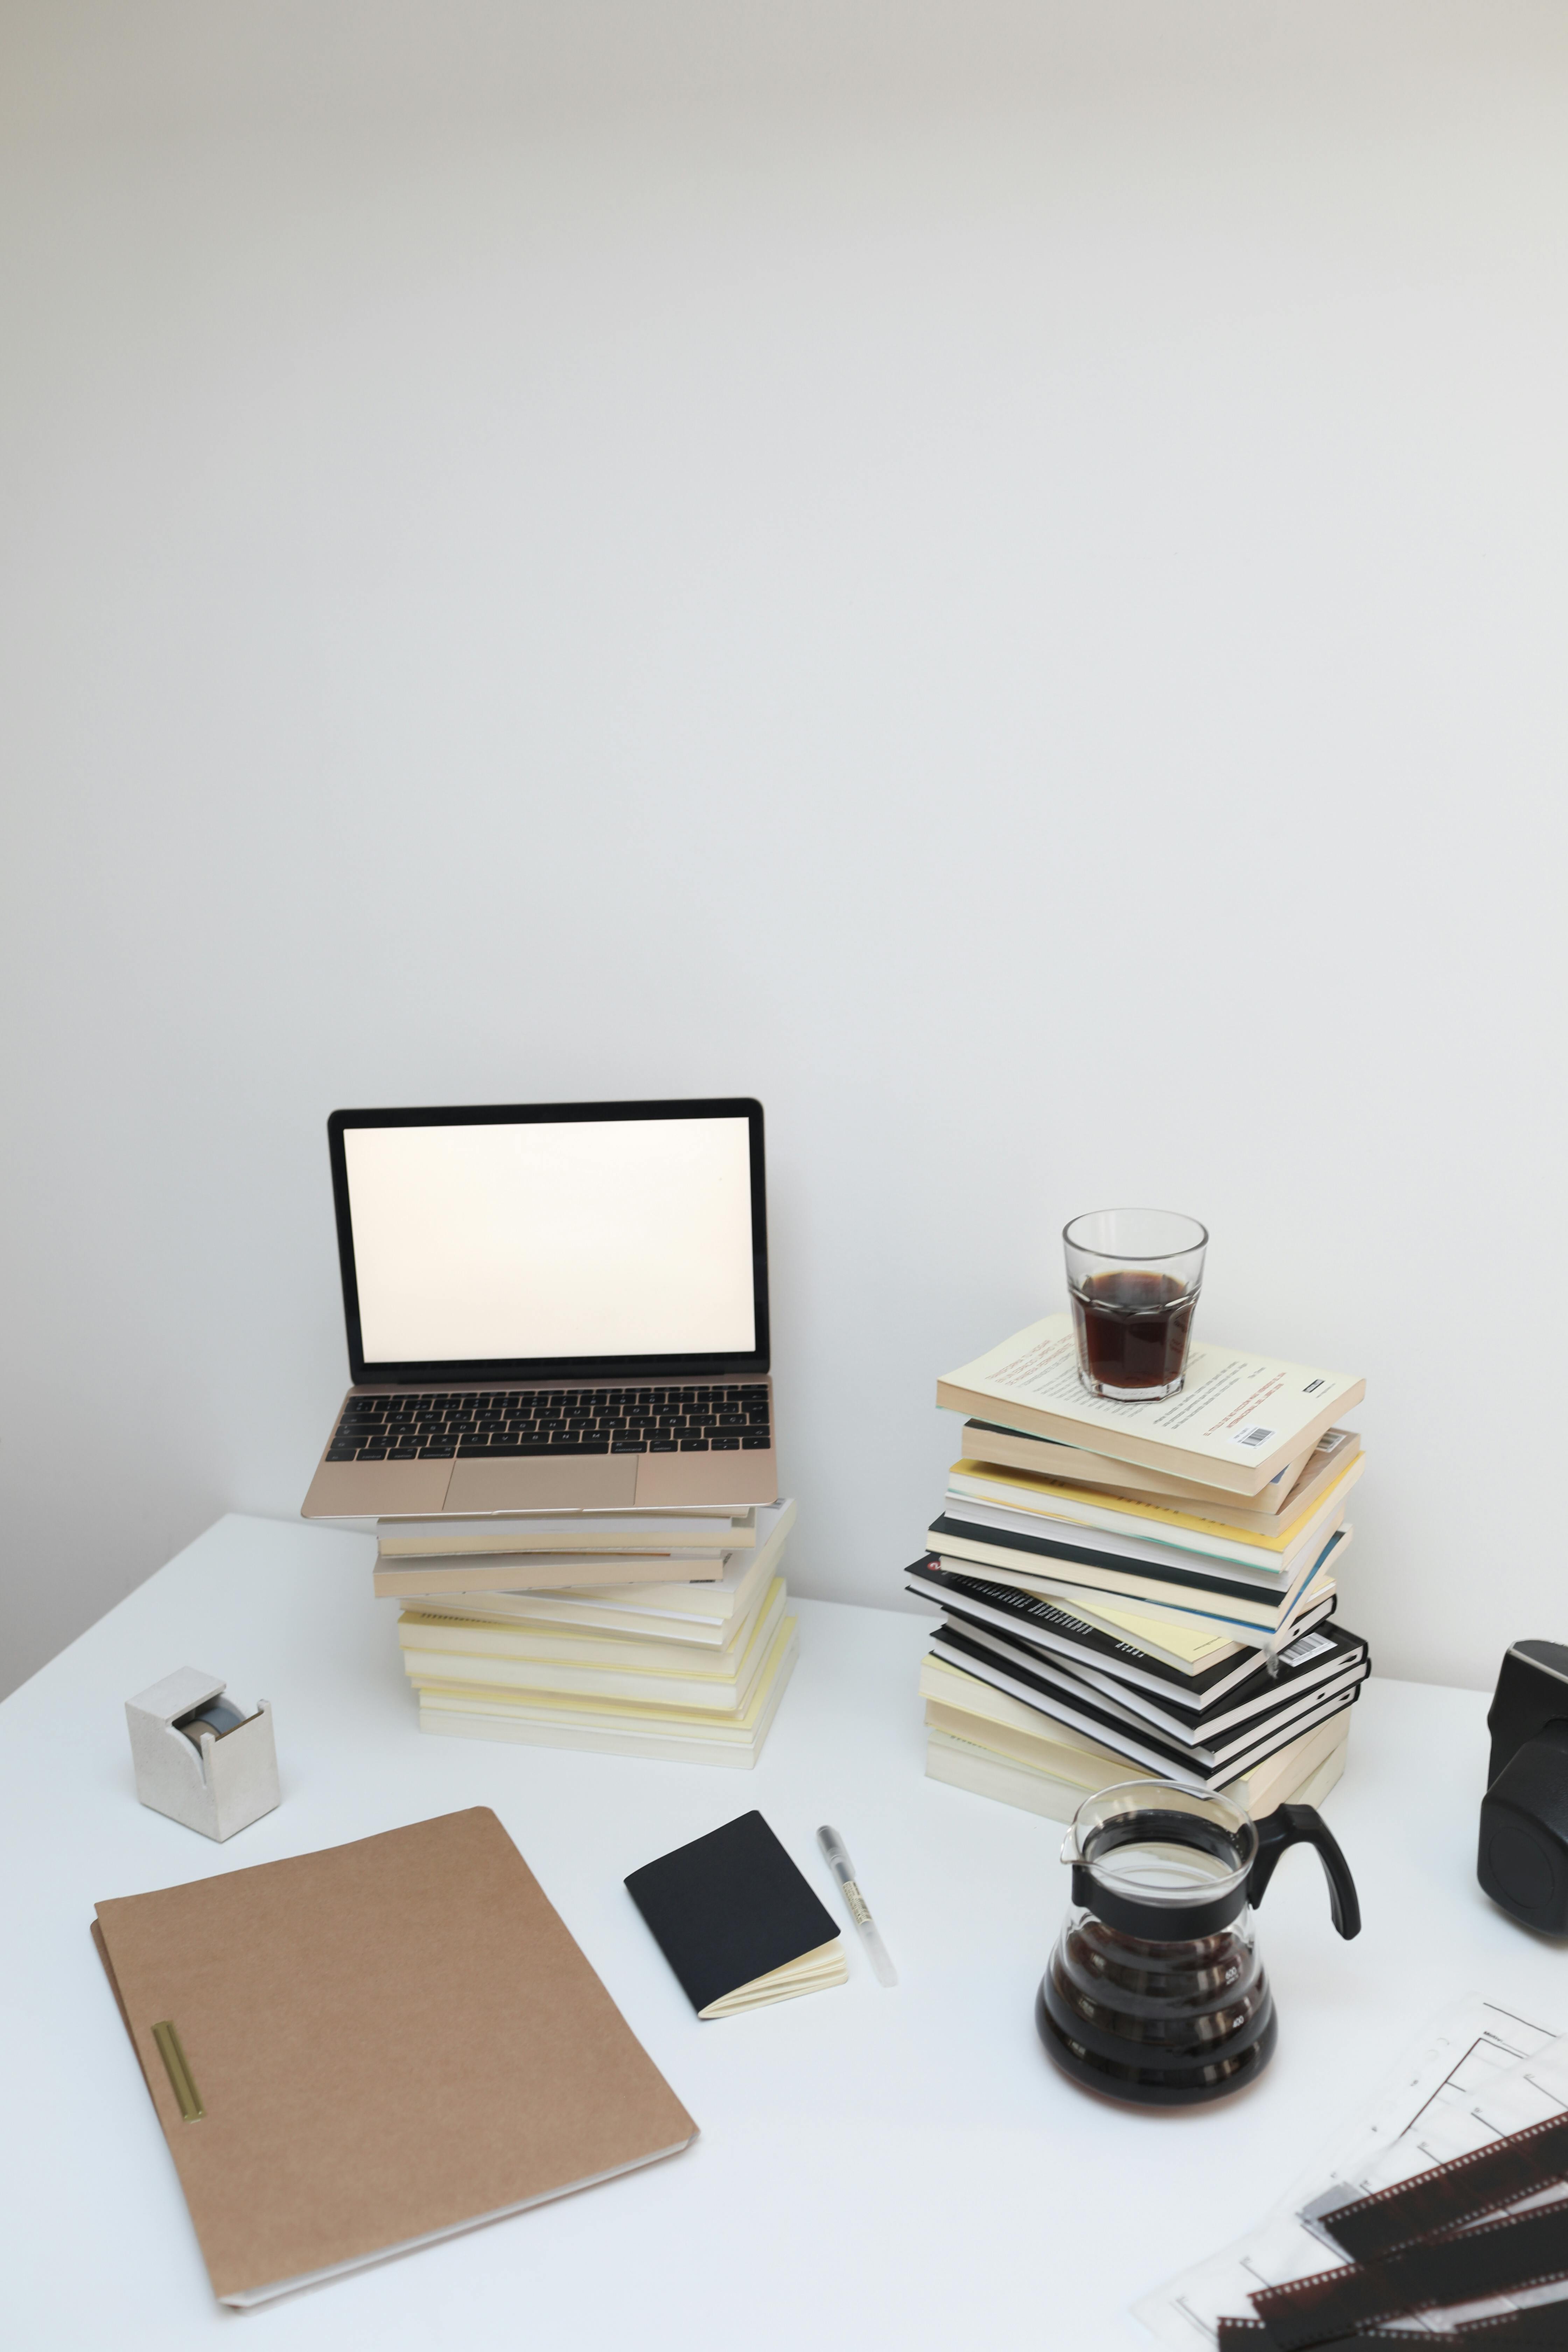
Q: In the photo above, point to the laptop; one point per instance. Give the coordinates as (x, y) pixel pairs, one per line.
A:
(551, 1307)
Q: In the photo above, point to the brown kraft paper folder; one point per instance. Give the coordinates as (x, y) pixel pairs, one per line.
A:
(389, 2041)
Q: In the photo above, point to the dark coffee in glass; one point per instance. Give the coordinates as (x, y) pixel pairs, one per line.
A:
(1133, 1276)
(1132, 1331)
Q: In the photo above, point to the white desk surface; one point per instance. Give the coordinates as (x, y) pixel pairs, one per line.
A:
(901, 2168)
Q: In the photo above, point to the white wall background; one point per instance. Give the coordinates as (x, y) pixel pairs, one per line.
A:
(992, 574)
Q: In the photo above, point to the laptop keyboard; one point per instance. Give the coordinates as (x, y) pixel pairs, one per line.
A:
(439, 1426)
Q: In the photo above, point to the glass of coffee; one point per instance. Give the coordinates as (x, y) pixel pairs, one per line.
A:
(1134, 1276)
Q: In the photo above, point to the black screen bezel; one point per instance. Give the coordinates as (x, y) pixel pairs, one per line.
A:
(449, 1372)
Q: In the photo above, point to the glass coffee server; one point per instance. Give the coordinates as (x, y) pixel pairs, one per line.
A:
(1155, 1992)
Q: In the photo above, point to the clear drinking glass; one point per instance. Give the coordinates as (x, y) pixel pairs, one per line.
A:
(1133, 1276)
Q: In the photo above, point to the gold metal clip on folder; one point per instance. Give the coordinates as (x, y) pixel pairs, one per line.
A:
(173, 2058)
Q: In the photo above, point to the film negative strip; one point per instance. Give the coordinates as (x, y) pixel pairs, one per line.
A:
(1466, 2266)
(1544, 2329)
(1415, 2247)
(1465, 2188)
(1251, 2335)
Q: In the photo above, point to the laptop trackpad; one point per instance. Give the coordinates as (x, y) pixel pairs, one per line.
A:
(601, 1482)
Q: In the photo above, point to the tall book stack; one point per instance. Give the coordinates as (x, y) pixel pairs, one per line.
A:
(655, 1633)
(1141, 1588)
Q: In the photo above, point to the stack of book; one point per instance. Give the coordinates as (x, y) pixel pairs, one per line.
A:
(1131, 1588)
(660, 1633)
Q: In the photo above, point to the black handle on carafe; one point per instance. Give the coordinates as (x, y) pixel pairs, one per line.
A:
(1304, 1825)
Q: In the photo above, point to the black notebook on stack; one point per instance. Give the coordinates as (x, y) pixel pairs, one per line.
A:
(1314, 1665)
(737, 1922)
(1051, 1626)
(1224, 1757)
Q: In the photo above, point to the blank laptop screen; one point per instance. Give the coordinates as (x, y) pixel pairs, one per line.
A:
(597, 1237)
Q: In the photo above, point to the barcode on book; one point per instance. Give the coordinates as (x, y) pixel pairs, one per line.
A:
(1310, 1645)
(1255, 1435)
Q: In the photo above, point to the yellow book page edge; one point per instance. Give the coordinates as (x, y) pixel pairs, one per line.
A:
(542, 1705)
(723, 1668)
(1027, 1482)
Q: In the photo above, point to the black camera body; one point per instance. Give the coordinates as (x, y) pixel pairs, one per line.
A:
(1523, 1858)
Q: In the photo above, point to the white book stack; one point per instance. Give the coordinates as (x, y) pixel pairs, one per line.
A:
(689, 1667)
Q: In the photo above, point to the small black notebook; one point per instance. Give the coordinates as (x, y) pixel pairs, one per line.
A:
(736, 1921)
